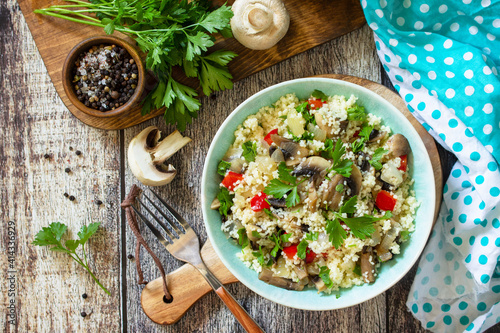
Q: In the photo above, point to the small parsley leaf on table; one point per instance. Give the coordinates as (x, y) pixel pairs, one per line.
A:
(52, 236)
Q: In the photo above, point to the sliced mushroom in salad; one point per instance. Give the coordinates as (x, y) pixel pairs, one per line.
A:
(317, 193)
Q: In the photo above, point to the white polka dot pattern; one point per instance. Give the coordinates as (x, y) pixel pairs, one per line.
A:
(443, 60)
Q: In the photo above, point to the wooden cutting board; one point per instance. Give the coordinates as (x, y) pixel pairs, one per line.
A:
(312, 23)
(187, 285)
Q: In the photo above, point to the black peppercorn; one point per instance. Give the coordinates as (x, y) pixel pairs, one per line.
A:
(46, 156)
(78, 152)
(71, 198)
(98, 202)
(83, 314)
(66, 194)
(84, 296)
(130, 256)
(67, 170)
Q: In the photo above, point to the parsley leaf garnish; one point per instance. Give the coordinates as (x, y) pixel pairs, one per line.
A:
(255, 234)
(339, 165)
(356, 113)
(226, 201)
(319, 95)
(260, 257)
(52, 235)
(278, 239)
(286, 184)
(301, 248)
(336, 234)
(243, 238)
(269, 213)
(303, 109)
(404, 235)
(361, 227)
(222, 167)
(324, 274)
(377, 156)
(249, 151)
(363, 136)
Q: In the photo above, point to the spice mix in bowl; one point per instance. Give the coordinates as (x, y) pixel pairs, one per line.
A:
(103, 76)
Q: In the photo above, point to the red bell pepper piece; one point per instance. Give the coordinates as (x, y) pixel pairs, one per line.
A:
(267, 138)
(315, 103)
(290, 251)
(230, 180)
(259, 202)
(310, 256)
(385, 201)
(404, 163)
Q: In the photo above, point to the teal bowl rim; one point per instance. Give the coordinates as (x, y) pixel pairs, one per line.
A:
(317, 302)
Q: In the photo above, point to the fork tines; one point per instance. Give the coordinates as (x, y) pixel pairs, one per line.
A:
(175, 227)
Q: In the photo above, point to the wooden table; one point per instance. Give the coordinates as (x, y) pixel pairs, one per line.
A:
(48, 286)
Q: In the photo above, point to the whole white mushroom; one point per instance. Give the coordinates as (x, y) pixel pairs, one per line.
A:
(259, 24)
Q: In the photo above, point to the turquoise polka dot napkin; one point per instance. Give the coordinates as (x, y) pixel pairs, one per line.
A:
(443, 58)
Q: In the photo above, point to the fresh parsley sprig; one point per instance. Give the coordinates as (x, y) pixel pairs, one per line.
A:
(304, 243)
(243, 238)
(324, 274)
(363, 136)
(356, 113)
(226, 201)
(52, 236)
(249, 151)
(361, 227)
(173, 34)
(377, 156)
(318, 94)
(339, 165)
(223, 167)
(279, 239)
(304, 110)
(286, 184)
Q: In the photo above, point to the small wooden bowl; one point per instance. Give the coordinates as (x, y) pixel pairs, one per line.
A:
(68, 75)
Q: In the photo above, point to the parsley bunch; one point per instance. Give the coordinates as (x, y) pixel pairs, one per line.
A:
(172, 33)
(51, 236)
(286, 184)
(361, 227)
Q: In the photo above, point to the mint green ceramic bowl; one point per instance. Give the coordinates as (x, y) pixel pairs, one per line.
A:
(390, 272)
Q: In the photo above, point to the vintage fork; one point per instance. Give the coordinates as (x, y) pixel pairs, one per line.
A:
(183, 244)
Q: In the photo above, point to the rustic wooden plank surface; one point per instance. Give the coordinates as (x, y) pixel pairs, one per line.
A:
(33, 122)
(48, 287)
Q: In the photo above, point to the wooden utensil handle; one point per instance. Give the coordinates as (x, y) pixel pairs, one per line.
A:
(245, 320)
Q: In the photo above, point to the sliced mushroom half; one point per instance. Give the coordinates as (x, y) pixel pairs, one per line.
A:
(292, 151)
(376, 135)
(355, 180)
(367, 265)
(266, 275)
(331, 195)
(314, 167)
(398, 145)
(318, 282)
(146, 155)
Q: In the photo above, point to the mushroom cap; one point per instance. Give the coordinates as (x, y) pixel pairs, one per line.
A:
(259, 24)
(146, 156)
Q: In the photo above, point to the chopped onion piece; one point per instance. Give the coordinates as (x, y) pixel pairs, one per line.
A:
(318, 133)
